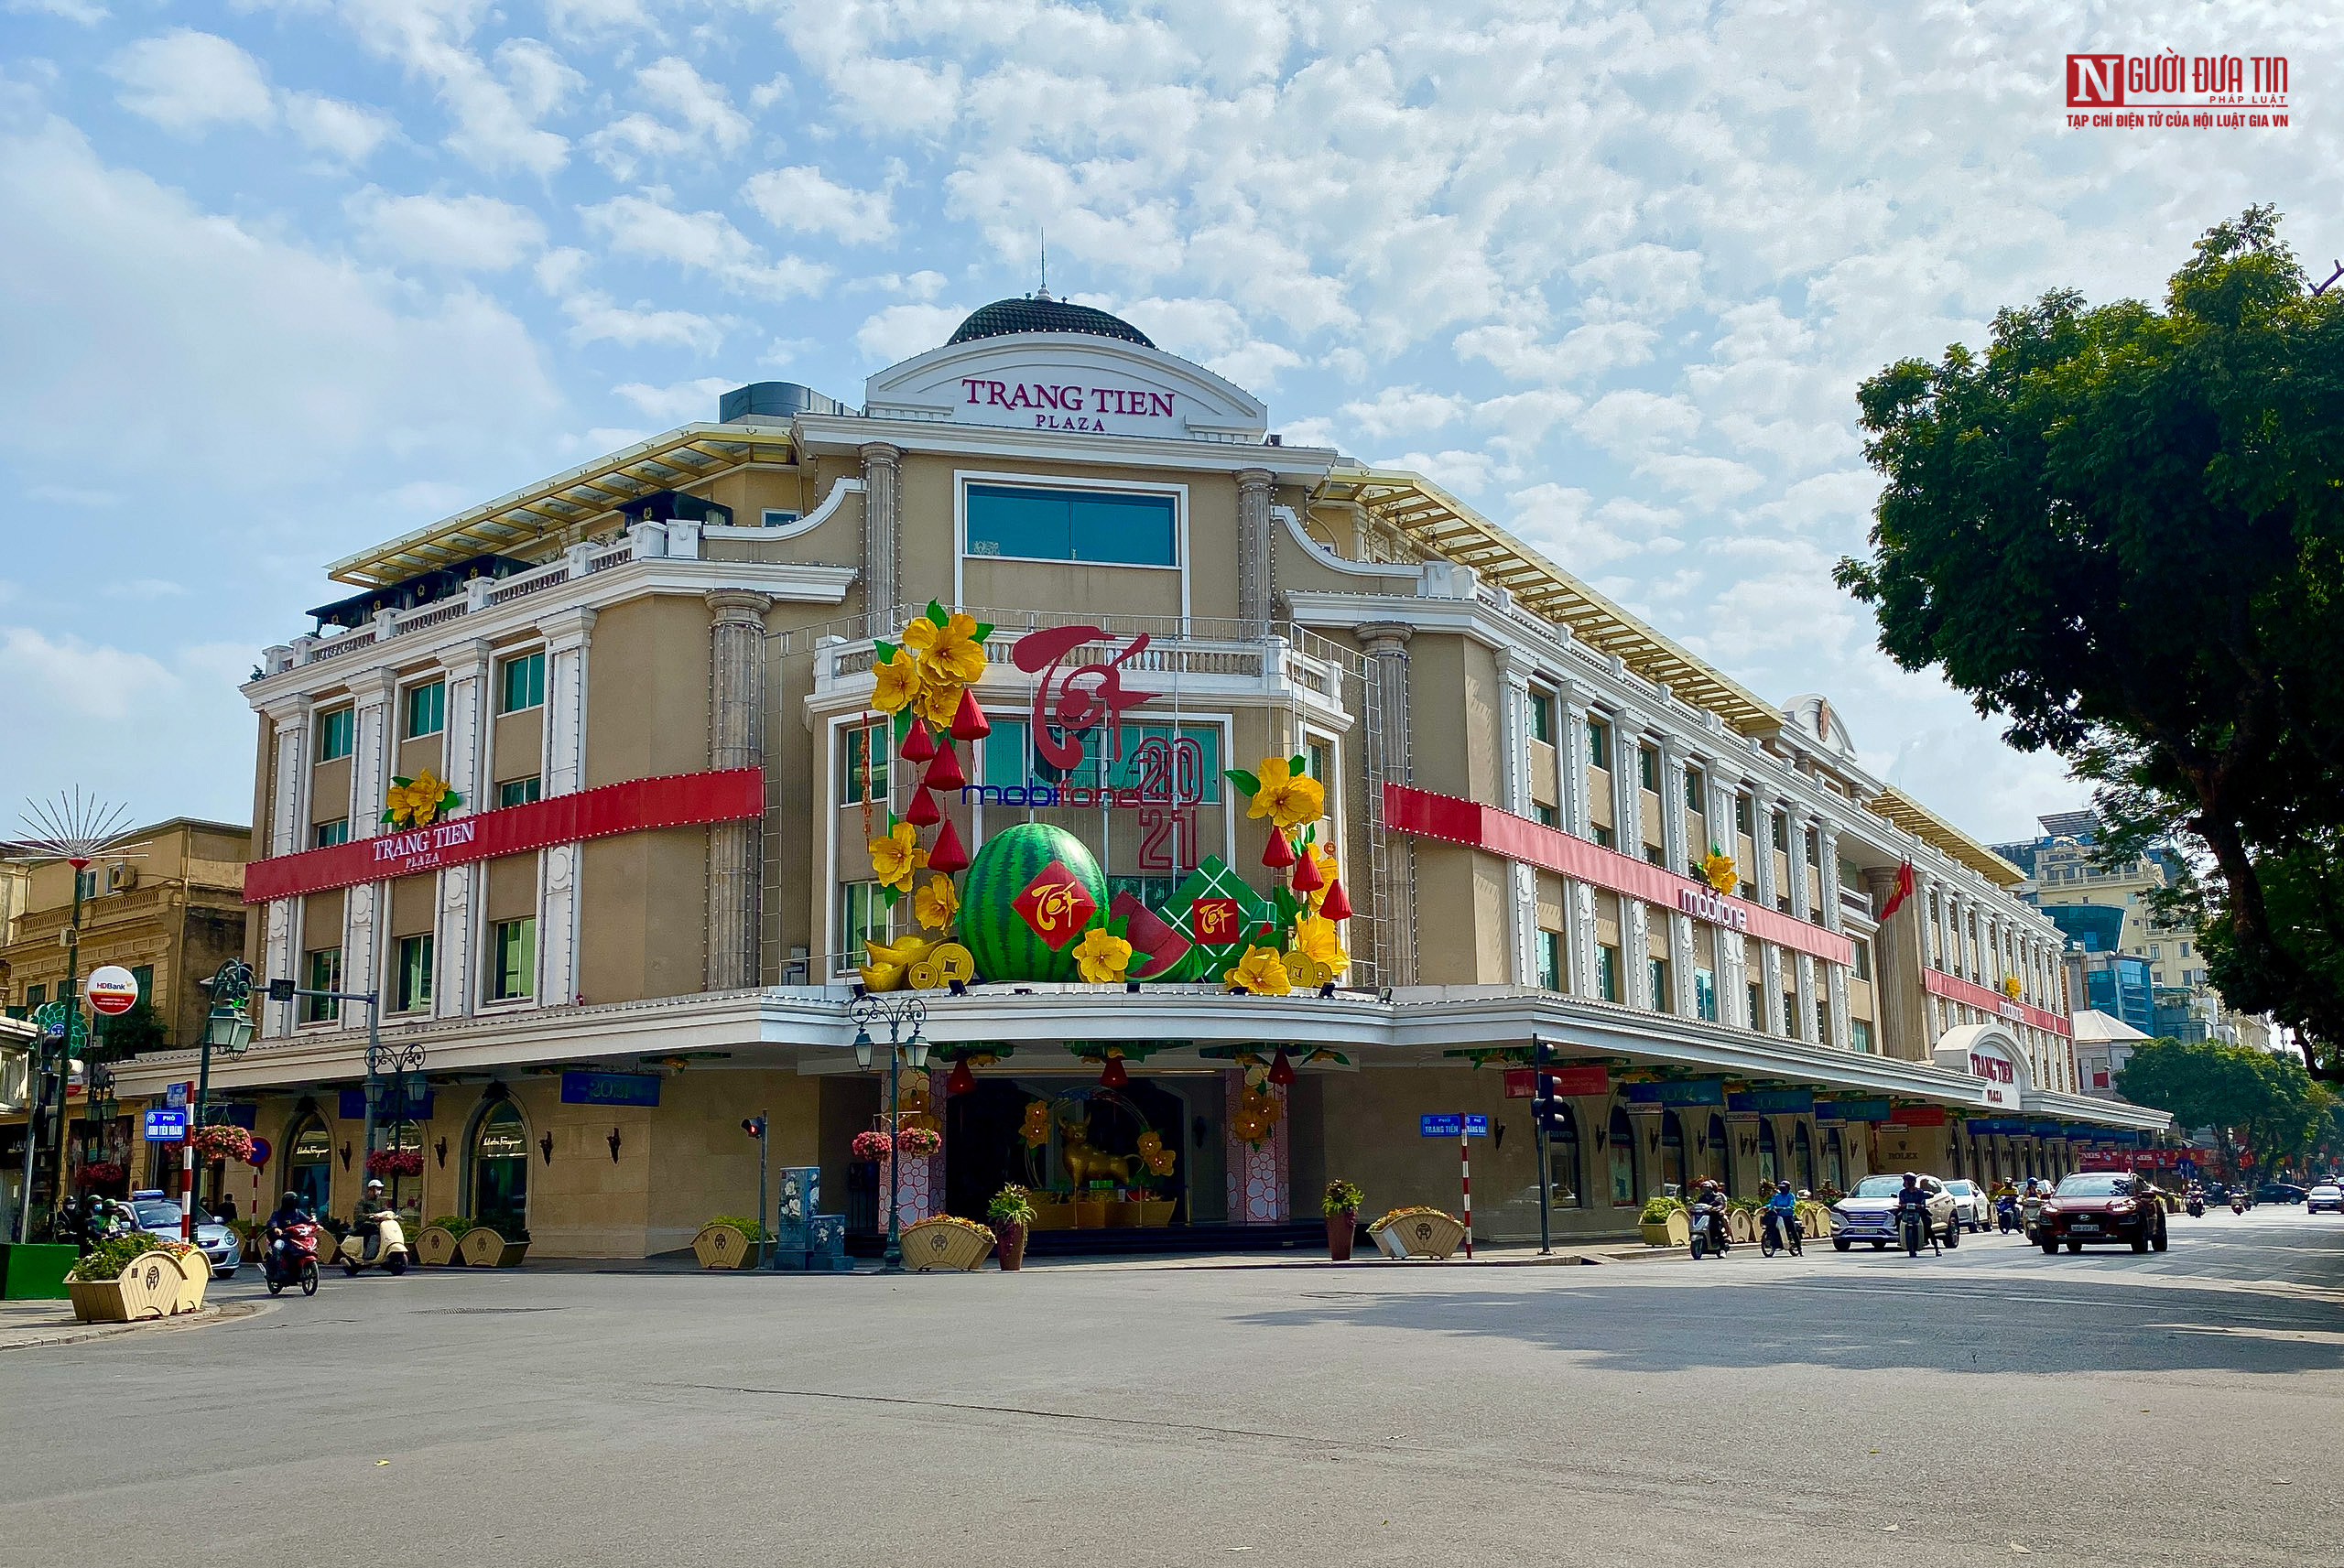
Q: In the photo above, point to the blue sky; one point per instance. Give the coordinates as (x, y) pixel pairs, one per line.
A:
(282, 279)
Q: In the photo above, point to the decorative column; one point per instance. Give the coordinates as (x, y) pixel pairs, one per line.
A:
(1733, 960)
(1386, 646)
(1253, 594)
(1675, 856)
(1256, 1176)
(881, 537)
(1835, 976)
(565, 773)
(1570, 781)
(370, 782)
(455, 985)
(1627, 797)
(736, 740)
(1770, 956)
(288, 796)
(1514, 794)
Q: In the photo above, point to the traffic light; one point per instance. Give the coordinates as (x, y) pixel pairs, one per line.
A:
(754, 1125)
(1546, 1107)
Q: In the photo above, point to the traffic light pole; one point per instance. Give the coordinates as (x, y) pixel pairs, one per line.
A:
(1540, 1098)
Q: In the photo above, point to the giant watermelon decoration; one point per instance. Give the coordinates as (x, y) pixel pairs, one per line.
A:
(1008, 865)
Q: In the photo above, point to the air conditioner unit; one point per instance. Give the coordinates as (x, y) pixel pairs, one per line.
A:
(120, 877)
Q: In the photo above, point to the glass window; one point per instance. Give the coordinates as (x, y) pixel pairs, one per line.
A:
(1704, 994)
(85, 883)
(1694, 788)
(1813, 843)
(1657, 968)
(501, 1171)
(519, 791)
(1862, 965)
(326, 835)
(1782, 830)
(36, 996)
(1757, 1009)
(1822, 1020)
(2185, 949)
(1607, 973)
(1672, 1150)
(427, 708)
(1545, 816)
(1603, 838)
(1742, 814)
(1619, 1147)
(337, 732)
(1113, 526)
(309, 1165)
(776, 517)
(1766, 1152)
(1654, 853)
(1790, 1015)
(1860, 1035)
(323, 966)
(863, 767)
(1803, 1155)
(144, 974)
(1719, 1165)
(1542, 717)
(1599, 743)
(1648, 768)
(863, 916)
(521, 683)
(411, 992)
(1550, 960)
(513, 959)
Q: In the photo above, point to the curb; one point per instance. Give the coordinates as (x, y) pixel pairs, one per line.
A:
(81, 1333)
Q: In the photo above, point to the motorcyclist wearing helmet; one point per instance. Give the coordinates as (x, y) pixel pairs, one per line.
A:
(289, 1213)
(1783, 1203)
(370, 1212)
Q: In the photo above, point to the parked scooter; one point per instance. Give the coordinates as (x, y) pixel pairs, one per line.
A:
(299, 1264)
(376, 1241)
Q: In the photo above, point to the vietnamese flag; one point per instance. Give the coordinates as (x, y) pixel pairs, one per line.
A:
(1903, 890)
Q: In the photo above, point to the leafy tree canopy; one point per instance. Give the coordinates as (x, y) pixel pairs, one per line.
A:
(2122, 529)
(2267, 1101)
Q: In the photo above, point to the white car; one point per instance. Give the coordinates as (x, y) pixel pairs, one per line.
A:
(1869, 1214)
(2327, 1195)
(1970, 1206)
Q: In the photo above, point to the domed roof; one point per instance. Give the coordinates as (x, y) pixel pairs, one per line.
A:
(1040, 313)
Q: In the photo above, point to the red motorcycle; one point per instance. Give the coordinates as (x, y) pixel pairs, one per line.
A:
(296, 1263)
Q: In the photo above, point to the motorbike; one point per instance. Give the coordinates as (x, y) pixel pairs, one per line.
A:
(298, 1265)
(2238, 1205)
(1709, 1231)
(1913, 1225)
(2007, 1214)
(1778, 1232)
(2195, 1207)
(376, 1241)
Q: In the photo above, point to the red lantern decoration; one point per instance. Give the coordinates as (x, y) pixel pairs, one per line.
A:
(1308, 877)
(1277, 853)
(1334, 906)
(918, 744)
(961, 1080)
(949, 857)
(922, 812)
(1281, 1070)
(969, 721)
(945, 772)
(1113, 1075)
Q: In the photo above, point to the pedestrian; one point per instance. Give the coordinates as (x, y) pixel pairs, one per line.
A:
(225, 1210)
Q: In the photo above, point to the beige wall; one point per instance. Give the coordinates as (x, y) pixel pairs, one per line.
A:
(647, 903)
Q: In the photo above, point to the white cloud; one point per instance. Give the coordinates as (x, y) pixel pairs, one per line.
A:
(496, 107)
(702, 121)
(802, 200)
(348, 132)
(902, 331)
(679, 402)
(107, 712)
(188, 81)
(700, 242)
(81, 11)
(144, 588)
(465, 232)
(595, 318)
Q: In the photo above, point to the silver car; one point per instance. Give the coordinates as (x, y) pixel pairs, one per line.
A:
(1869, 1214)
(217, 1241)
(1970, 1210)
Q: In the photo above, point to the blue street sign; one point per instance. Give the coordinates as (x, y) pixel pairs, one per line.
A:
(167, 1126)
(2185, 1165)
(175, 1095)
(610, 1088)
(1451, 1125)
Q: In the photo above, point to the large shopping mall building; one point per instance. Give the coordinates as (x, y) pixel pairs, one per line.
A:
(648, 684)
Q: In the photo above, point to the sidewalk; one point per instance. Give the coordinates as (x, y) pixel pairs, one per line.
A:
(28, 1325)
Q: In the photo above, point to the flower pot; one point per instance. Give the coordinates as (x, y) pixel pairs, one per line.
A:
(483, 1248)
(1425, 1233)
(1122, 1212)
(1009, 1245)
(1742, 1225)
(1677, 1230)
(1089, 1213)
(723, 1247)
(940, 1244)
(436, 1245)
(1157, 1211)
(195, 1276)
(148, 1289)
(1340, 1231)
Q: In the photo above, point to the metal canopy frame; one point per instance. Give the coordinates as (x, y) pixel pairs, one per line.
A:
(683, 456)
(1901, 810)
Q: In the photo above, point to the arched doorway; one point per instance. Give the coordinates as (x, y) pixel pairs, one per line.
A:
(1720, 1161)
(1562, 1161)
(1766, 1172)
(500, 1171)
(1673, 1169)
(1835, 1162)
(1620, 1144)
(1803, 1155)
(309, 1162)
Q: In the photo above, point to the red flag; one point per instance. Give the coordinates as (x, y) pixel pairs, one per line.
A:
(1903, 890)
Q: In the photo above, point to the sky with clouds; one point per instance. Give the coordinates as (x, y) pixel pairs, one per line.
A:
(284, 277)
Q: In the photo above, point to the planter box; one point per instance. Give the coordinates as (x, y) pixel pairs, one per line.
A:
(1089, 1213)
(1433, 1235)
(1123, 1213)
(1815, 1220)
(148, 1289)
(721, 1246)
(1742, 1225)
(35, 1270)
(195, 1275)
(436, 1245)
(1677, 1230)
(1157, 1211)
(1049, 1215)
(939, 1244)
(483, 1248)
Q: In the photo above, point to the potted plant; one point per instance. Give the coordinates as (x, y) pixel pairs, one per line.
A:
(222, 1141)
(484, 1247)
(946, 1241)
(1741, 1219)
(1418, 1232)
(1340, 1205)
(729, 1241)
(1663, 1223)
(131, 1279)
(872, 1146)
(1012, 1213)
(436, 1243)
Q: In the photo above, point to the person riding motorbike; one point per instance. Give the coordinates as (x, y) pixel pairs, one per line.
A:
(371, 1214)
(1708, 1210)
(289, 1213)
(1782, 1211)
(1911, 1200)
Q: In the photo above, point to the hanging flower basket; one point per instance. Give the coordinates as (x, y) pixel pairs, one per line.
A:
(103, 1173)
(919, 1142)
(394, 1162)
(872, 1145)
(222, 1141)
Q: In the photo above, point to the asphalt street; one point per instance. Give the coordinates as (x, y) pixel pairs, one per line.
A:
(1986, 1405)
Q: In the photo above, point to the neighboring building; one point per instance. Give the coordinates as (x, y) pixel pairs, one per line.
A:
(649, 679)
(166, 903)
(2103, 1045)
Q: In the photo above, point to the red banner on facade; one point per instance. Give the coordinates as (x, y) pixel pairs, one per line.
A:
(683, 800)
(1479, 826)
(1917, 1116)
(1520, 1083)
(1952, 988)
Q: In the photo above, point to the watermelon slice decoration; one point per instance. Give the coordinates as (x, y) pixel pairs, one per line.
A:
(1157, 948)
(1214, 883)
(1004, 943)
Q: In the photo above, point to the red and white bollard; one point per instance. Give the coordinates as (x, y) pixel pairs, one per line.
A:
(1465, 1171)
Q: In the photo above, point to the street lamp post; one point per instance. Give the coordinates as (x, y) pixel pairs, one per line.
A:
(393, 1073)
(899, 1014)
(228, 1026)
(285, 990)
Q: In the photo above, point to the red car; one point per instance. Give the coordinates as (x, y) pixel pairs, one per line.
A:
(2099, 1207)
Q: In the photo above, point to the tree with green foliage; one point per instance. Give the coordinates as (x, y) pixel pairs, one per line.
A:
(140, 1029)
(2122, 530)
(2266, 1100)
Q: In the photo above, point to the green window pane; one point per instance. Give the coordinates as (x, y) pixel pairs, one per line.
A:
(1104, 527)
(522, 684)
(427, 710)
(336, 733)
(519, 791)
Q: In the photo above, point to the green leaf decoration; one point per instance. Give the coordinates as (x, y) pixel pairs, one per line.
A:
(903, 723)
(1298, 765)
(984, 631)
(883, 649)
(936, 614)
(1242, 780)
(1118, 927)
(888, 893)
(400, 782)
(1286, 904)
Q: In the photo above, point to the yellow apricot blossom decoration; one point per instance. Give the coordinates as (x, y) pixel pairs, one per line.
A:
(939, 701)
(895, 681)
(1102, 957)
(898, 858)
(1262, 972)
(1328, 871)
(1288, 799)
(419, 801)
(1321, 940)
(949, 654)
(1036, 1128)
(1719, 870)
(935, 903)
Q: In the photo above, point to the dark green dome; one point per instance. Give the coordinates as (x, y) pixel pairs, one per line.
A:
(1040, 313)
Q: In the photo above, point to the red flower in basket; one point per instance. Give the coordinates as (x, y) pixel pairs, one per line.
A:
(223, 1141)
(872, 1145)
(394, 1162)
(102, 1173)
(919, 1142)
